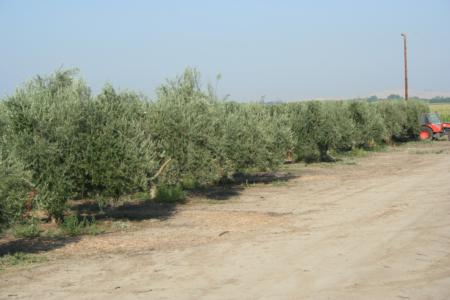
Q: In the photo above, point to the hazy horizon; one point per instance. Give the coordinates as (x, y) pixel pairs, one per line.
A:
(277, 50)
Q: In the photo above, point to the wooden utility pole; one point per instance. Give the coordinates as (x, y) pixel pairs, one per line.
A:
(406, 65)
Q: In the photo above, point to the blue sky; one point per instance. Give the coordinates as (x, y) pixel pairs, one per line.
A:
(282, 50)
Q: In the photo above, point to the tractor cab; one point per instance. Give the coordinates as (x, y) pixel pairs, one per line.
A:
(431, 127)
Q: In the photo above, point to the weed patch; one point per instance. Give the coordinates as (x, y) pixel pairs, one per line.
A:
(73, 226)
(170, 194)
(30, 229)
(20, 258)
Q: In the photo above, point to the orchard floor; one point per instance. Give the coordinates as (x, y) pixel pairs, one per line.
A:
(373, 227)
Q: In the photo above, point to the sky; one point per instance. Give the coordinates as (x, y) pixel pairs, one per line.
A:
(276, 50)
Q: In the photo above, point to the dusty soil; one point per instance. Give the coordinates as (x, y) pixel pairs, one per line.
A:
(375, 229)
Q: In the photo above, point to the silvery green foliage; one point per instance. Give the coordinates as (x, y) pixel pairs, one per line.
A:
(75, 145)
(279, 136)
(256, 136)
(345, 126)
(314, 129)
(15, 186)
(402, 118)
(413, 111)
(370, 127)
(114, 154)
(394, 117)
(42, 116)
(318, 127)
(185, 126)
(59, 140)
(14, 180)
(210, 139)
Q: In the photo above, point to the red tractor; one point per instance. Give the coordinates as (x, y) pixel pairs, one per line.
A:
(431, 127)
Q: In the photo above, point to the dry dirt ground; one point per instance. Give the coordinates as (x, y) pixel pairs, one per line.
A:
(376, 228)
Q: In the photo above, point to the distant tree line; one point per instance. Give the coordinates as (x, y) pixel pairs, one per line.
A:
(439, 100)
(436, 100)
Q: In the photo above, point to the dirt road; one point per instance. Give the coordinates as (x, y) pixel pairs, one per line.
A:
(378, 228)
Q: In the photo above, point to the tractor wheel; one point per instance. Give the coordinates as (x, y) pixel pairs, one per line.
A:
(426, 134)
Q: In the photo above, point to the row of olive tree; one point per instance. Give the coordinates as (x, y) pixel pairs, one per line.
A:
(59, 142)
(319, 127)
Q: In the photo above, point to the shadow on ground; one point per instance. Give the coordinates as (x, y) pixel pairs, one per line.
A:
(132, 211)
(135, 211)
(35, 245)
(142, 210)
(139, 210)
(229, 188)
